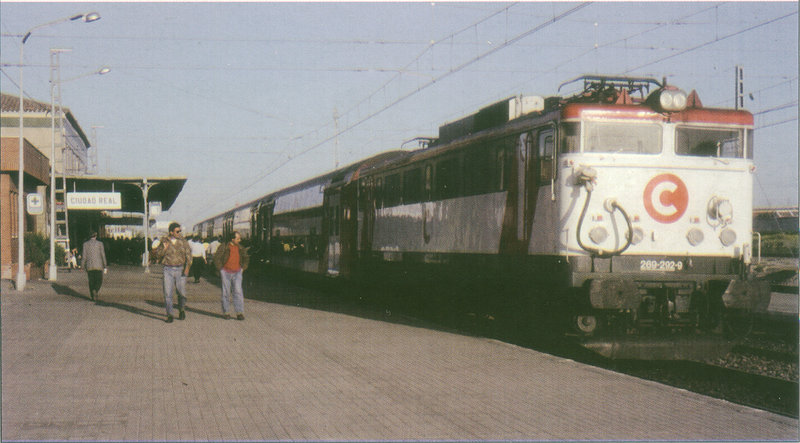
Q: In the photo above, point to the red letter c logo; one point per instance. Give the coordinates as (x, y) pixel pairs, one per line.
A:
(666, 198)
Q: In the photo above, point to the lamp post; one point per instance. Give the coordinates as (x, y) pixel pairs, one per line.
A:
(53, 270)
(90, 17)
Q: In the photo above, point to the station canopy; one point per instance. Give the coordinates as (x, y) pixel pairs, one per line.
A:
(159, 189)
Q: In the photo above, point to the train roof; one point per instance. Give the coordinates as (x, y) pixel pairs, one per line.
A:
(308, 193)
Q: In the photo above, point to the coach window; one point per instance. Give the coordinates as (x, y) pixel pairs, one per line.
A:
(337, 219)
(478, 170)
(448, 178)
(570, 137)
(412, 186)
(546, 146)
(393, 190)
(504, 165)
(499, 183)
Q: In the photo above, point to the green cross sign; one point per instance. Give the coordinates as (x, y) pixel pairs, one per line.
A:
(35, 204)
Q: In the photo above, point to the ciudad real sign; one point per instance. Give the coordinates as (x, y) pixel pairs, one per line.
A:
(94, 200)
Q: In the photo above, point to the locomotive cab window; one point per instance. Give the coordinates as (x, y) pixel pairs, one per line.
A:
(622, 138)
(710, 142)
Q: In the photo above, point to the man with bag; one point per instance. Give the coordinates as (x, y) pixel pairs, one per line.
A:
(176, 256)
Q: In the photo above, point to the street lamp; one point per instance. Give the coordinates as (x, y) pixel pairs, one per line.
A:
(90, 17)
(53, 270)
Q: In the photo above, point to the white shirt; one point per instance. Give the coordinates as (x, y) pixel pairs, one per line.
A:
(197, 249)
(212, 248)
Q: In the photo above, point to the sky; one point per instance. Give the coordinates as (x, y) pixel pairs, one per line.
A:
(244, 99)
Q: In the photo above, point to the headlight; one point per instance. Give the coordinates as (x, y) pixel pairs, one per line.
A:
(720, 209)
(598, 234)
(638, 236)
(695, 236)
(672, 100)
(727, 236)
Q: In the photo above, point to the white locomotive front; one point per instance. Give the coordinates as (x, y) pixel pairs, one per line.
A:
(654, 209)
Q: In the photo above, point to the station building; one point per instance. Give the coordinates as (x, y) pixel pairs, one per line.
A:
(85, 202)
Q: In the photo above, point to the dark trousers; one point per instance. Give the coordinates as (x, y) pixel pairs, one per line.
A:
(95, 281)
(197, 268)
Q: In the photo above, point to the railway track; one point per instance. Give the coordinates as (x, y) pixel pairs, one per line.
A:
(767, 354)
(746, 388)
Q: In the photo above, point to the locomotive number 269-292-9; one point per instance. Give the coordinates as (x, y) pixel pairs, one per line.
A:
(660, 265)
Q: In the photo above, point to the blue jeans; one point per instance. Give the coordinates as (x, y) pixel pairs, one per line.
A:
(232, 281)
(174, 280)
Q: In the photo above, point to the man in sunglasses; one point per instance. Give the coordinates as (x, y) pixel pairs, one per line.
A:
(176, 256)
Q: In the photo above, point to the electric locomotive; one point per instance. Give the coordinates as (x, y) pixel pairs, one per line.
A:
(623, 210)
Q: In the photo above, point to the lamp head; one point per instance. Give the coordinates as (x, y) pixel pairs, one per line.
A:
(91, 17)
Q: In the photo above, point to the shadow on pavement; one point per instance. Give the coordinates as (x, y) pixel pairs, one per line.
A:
(328, 296)
(188, 309)
(66, 290)
(132, 309)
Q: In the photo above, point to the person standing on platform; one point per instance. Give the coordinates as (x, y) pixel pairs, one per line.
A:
(176, 256)
(231, 260)
(211, 251)
(198, 258)
(209, 257)
(94, 261)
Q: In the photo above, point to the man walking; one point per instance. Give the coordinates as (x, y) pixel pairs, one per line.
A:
(94, 261)
(231, 259)
(176, 256)
(198, 258)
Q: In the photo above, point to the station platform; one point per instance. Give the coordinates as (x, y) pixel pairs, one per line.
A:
(73, 369)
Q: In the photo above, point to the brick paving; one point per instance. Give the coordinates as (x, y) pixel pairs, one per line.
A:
(76, 370)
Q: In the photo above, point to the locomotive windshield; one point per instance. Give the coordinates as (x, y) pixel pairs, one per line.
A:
(638, 138)
(710, 142)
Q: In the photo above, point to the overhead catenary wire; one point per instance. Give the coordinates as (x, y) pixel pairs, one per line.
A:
(289, 157)
(573, 58)
(400, 99)
(792, 105)
(715, 40)
(404, 97)
(777, 123)
(404, 68)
